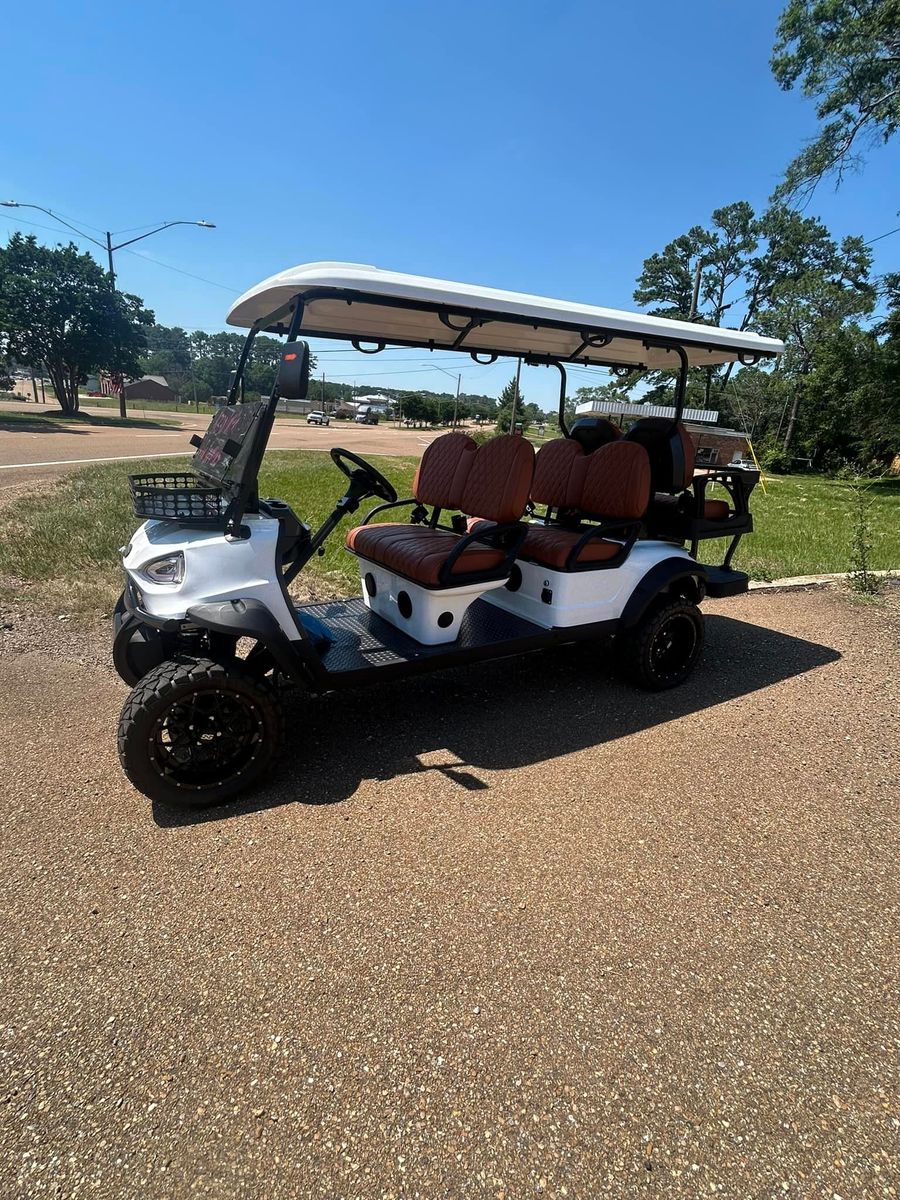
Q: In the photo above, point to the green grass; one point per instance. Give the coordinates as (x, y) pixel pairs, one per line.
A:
(61, 546)
(38, 420)
(803, 525)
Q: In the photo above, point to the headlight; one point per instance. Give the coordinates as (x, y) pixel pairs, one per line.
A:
(164, 570)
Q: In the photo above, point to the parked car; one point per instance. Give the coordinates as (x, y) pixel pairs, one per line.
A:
(743, 460)
(317, 418)
(366, 418)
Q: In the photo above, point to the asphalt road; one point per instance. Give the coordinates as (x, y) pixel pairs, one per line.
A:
(514, 930)
(46, 448)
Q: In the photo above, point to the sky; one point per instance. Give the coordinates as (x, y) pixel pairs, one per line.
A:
(544, 146)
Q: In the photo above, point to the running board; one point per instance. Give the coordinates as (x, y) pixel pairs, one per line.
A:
(721, 581)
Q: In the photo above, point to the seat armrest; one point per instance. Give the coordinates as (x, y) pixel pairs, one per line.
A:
(508, 537)
(738, 483)
(416, 517)
(630, 529)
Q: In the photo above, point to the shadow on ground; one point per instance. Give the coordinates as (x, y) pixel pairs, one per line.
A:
(502, 715)
(57, 422)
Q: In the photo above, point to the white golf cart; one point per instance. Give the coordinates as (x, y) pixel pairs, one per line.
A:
(499, 551)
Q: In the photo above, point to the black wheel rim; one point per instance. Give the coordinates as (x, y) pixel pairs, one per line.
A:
(206, 739)
(673, 647)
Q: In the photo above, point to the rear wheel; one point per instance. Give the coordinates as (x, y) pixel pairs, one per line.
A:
(663, 648)
(195, 732)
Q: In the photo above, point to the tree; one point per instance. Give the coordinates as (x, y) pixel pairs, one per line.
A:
(781, 274)
(845, 55)
(169, 354)
(808, 309)
(57, 311)
(504, 409)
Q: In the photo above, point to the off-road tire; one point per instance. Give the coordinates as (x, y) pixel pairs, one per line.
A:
(164, 694)
(643, 654)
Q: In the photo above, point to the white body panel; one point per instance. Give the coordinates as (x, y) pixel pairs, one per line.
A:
(215, 568)
(428, 606)
(583, 597)
(705, 345)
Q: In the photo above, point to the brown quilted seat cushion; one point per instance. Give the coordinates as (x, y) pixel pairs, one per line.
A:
(716, 510)
(559, 469)
(551, 546)
(687, 446)
(617, 482)
(443, 470)
(499, 479)
(419, 552)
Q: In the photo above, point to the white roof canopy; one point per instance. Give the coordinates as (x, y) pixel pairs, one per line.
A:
(366, 305)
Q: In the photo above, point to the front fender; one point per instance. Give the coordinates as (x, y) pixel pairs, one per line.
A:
(251, 619)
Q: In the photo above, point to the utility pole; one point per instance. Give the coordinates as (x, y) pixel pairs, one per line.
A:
(33, 384)
(324, 409)
(512, 419)
(123, 410)
(193, 380)
(456, 401)
(695, 297)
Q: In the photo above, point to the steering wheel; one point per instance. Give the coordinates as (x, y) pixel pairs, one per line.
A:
(377, 484)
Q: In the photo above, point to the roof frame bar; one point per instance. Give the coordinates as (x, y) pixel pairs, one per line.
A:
(477, 316)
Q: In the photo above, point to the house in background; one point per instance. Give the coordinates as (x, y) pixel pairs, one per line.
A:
(714, 444)
(150, 387)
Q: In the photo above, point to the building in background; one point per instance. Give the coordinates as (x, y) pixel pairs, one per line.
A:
(150, 387)
(714, 444)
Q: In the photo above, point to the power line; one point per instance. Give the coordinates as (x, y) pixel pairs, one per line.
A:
(34, 225)
(882, 235)
(145, 257)
(169, 267)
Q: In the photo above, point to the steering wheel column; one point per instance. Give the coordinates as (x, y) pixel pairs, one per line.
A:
(362, 475)
(363, 480)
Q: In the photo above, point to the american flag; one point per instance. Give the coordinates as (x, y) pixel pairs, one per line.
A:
(110, 384)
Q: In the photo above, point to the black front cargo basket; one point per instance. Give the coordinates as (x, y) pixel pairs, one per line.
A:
(177, 496)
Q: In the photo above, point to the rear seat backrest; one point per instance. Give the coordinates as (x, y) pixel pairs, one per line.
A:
(671, 451)
(559, 468)
(499, 479)
(442, 473)
(616, 482)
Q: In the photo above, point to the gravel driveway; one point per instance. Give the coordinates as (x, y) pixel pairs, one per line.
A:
(516, 930)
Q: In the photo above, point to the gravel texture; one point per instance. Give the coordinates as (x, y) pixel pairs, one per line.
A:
(509, 931)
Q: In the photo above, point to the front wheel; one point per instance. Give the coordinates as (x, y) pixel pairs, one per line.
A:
(195, 732)
(663, 648)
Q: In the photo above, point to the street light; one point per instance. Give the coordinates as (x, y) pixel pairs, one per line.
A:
(109, 248)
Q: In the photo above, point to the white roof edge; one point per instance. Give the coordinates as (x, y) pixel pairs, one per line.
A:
(266, 298)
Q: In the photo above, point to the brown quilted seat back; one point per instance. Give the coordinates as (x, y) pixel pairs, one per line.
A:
(559, 469)
(499, 479)
(441, 475)
(617, 482)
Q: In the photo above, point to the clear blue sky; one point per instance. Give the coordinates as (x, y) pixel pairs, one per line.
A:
(540, 146)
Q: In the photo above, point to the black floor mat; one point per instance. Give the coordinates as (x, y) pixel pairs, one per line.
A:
(362, 639)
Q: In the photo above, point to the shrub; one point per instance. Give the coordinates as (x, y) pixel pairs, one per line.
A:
(862, 578)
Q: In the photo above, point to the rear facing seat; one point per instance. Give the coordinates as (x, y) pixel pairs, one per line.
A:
(672, 461)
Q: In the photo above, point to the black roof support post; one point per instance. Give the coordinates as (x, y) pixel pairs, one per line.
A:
(247, 498)
(681, 383)
(234, 390)
(561, 417)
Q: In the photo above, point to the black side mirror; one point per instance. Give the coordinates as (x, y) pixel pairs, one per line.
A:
(293, 371)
